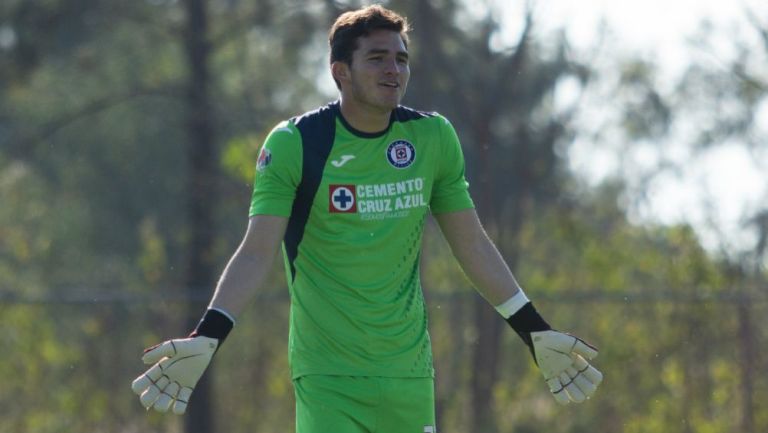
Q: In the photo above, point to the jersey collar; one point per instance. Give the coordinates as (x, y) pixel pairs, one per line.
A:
(336, 108)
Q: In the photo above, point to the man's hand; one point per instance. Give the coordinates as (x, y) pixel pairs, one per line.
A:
(179, 364)
(561, 359)
(560, 356)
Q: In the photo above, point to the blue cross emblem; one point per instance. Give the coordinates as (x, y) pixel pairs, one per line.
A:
(342, 198)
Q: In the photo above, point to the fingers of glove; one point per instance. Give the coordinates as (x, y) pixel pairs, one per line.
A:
(150, 348)
(592, 374)
(149, 396)
(182, 370)
(574, 393)
(160, 351)
(182, 400)
(166, 398)
(557, 390)
(584, 385)
(584, 349)
(166, 363)
(587, 370)
(145, 380)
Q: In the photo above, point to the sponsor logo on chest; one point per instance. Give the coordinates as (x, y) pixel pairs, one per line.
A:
(341, 199)
(377, 201)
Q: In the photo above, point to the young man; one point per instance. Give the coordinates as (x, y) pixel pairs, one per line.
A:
(346, 189)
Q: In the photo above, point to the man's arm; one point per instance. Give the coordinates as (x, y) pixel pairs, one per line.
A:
(178, 364)
(477, 256)
(249, 267)
(561, 357)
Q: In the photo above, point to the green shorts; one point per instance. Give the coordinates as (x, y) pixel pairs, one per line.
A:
(350, 404)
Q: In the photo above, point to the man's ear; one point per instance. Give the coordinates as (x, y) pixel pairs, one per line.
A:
(340, 71)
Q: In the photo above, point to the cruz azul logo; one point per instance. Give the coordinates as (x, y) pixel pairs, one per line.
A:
(342, 199)
(401, 154)
(378, 201)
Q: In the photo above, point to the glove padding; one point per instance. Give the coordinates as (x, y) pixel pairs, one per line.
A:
(560, 358)
(179, 364)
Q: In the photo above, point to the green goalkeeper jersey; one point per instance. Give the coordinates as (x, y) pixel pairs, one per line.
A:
(356, 204)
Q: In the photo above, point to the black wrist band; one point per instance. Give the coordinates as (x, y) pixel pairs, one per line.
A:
(527, 320)
(214, 324)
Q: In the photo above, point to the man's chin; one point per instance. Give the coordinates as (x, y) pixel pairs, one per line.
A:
(383, 104)
(390, 104)
(384, 107)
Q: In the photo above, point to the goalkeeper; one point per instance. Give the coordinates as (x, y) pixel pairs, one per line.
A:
(345, 190)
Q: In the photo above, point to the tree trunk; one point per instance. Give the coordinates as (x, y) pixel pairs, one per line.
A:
(746, 341)
(485, 360)
(200, 193)
(488, 324)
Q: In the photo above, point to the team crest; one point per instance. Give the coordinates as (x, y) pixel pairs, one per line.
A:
(341, 199)
(265, 157)
(401, 154)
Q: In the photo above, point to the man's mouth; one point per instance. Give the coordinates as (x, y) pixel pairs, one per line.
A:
(391, 85)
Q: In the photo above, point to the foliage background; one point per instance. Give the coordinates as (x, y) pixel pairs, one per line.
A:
(128, 135)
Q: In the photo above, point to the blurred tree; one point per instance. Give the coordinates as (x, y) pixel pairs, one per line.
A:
(200, 194)
(720, 100)
(95, 180)
(100, 103)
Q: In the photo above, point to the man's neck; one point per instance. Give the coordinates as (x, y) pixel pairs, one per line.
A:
(364, 118)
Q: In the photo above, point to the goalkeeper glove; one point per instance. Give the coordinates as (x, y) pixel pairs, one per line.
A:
(561, 358)
(179, 364)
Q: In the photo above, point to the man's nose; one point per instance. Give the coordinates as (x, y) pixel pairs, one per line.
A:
(392, 67)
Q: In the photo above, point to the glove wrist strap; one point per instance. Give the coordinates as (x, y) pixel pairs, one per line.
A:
(214, 324)
(527, 320)
(513, 304)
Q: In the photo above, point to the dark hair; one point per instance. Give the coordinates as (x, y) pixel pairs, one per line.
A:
(351, 25)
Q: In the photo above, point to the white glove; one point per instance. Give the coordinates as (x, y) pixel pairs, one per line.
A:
(179, 364)
(560, 358)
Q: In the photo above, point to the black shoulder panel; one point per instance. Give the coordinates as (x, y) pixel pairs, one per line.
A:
(404, 114)
(318, 130)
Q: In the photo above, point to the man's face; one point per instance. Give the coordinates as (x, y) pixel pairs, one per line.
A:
(379, 72)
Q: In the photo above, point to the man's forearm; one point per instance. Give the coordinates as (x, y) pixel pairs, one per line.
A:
(478, 256)
(244, 275)
(250, 266)
(488, 272)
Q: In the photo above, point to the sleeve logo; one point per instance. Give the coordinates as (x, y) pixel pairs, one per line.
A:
(401, 154)
(341, 199)
(265, 157)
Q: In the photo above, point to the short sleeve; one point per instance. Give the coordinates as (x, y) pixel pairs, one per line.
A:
(450, 191)
(278, 172)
